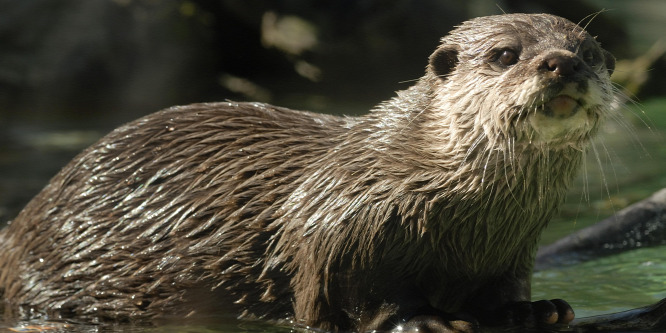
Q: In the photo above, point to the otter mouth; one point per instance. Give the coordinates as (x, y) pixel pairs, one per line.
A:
(561, 100)
(562, 107)
(561, 116)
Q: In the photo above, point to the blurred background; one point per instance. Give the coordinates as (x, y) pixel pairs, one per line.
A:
(71, 70)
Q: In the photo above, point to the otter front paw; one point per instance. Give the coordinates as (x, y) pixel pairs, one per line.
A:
(555, 311)
(435, 324)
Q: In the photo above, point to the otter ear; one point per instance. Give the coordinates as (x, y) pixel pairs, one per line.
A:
(444, 60)
(610, 61)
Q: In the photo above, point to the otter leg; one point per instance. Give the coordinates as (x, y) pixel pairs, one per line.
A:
(555, 311)
(408, 310)
(506, 301)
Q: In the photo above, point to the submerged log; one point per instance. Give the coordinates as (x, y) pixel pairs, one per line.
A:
(642, 224)
(649, 318)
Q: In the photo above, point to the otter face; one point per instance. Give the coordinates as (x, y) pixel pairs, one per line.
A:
(542, 77)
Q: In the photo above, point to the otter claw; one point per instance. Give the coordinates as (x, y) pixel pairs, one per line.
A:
(555, 311)
(565, 312)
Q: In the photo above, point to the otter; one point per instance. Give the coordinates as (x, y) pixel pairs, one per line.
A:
(424, 211)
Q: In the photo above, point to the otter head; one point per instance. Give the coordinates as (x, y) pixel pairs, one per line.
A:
(532, 79)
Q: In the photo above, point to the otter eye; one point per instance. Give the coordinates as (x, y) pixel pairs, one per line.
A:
(507, 57)
(591, 53)
(590, 57)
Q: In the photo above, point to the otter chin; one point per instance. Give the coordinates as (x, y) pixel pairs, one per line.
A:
(422, 213)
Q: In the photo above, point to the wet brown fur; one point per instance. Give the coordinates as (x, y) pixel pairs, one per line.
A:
(433, 200)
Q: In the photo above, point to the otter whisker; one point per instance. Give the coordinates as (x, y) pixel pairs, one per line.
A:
(409, 81)
(475, 144)
(419, 113)
(495, 176)
(621, 99)
(586, 181)
(591, 17)
(489, 153)
(604, 180)
(500, 8)
(509, 163)
(631, 130)
(544, 179)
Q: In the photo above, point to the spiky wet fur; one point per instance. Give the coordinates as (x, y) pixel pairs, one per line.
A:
(339, 223)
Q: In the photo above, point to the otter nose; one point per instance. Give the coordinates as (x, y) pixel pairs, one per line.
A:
(562, 64)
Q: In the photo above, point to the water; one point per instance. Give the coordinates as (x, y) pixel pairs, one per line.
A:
(630, 168)
(612, 284)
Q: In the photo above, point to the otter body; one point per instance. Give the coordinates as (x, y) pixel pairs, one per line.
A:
(431, 204)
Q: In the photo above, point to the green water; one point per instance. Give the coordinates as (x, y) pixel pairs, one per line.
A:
(611, 284)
